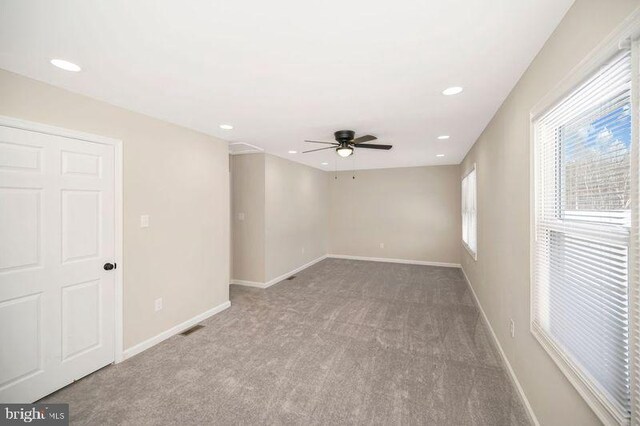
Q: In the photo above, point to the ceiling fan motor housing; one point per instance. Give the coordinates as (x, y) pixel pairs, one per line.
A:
(344, 136)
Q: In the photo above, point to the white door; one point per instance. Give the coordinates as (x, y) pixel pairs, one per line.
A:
(56, 234)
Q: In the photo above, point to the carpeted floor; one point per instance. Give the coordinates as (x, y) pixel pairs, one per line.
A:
(345, 342)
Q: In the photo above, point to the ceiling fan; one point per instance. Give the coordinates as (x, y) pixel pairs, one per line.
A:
(345, 143)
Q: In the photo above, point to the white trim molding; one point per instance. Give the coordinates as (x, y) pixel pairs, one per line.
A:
(277, 279)
(177, 329)
(295, 271)
(512, 374)
(605, 411)
(473, 169)
(248, 283)
(119, 253)
(391, 260)
(18, 123)
(472, 253)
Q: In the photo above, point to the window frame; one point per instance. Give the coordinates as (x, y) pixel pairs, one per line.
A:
(623, 37)
(473, 169)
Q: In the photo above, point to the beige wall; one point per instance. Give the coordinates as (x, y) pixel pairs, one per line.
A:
(177, 176)
(414, 211)
(500, 277)
(286, 208)
(248, 198)
(296, 221)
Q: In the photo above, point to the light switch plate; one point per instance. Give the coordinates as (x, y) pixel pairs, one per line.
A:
(144, 221)
(240, 216)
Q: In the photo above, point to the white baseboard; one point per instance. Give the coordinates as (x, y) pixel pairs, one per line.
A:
(339, 256)
(512, 374)
(135, 350)
(277, 279)
(384, 259)
(295, 271)
(248, 283)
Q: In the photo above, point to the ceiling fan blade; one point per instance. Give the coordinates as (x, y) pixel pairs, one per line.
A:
(327, 143)
(373, 146)
(319, 149)
(365, 138)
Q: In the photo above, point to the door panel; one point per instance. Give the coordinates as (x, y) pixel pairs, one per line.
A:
(25, 357)
(20, 246)
(80, 318)
(78, 163)
(80, 225)
(56, 232)
(20, 157)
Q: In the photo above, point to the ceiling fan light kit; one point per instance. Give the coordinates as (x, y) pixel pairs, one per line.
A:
(345, 143)
(344, 151)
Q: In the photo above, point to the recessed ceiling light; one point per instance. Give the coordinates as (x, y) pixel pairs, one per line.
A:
(325, 164)
(293, 152)
(440, 155)
(66, 65)
(454, 90)
(226, 126)
(441, 137)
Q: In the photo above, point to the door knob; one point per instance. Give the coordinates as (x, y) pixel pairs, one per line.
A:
(109, 266)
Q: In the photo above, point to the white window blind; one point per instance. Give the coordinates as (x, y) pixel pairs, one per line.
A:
(469, 219)
(582, 231)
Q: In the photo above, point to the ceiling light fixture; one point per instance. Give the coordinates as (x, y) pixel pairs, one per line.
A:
(66, 65)
(344, 151)
(442, 137)
(293, 152)
(454, 90)
(226, 126)
(440, 155)
(325, 164)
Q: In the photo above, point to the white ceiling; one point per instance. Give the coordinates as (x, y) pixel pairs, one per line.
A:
(282, 71)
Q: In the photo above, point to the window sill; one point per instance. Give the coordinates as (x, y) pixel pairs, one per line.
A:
(472, 253)
(606, 412)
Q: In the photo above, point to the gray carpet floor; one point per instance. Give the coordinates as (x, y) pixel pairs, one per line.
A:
(345, 342)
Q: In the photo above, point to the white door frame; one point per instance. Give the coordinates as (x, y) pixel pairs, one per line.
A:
(118, 203)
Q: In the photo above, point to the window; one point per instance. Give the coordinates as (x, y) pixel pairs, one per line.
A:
(583, 209)
(469, 219)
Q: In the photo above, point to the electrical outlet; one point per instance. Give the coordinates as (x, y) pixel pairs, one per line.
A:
(158, 304)
(144, 221)
(381, 245)
(302, 250)
(240, 216)
(512, 328)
